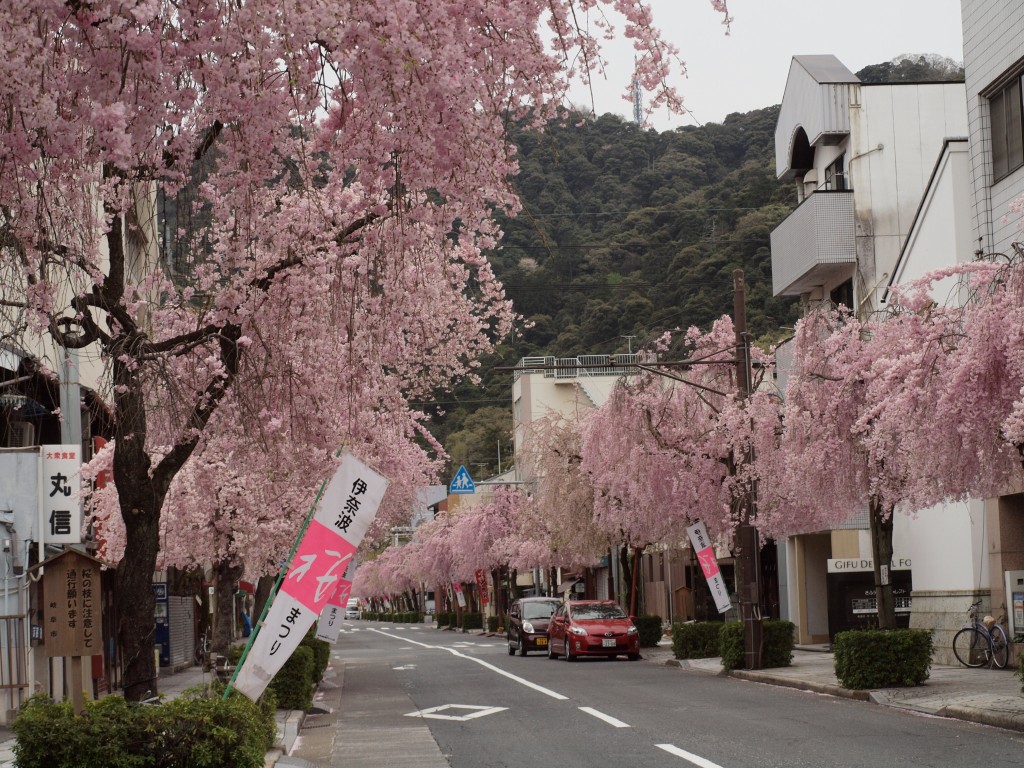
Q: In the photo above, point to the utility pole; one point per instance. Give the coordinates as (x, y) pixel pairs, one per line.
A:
(746, 547)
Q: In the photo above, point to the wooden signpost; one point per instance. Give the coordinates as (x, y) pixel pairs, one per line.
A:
(72, 617)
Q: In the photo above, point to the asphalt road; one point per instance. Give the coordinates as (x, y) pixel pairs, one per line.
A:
(484, 708)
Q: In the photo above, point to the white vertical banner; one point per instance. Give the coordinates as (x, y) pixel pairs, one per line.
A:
(346, 509)
(329, 623)
(60, 496)
(461, 598)
(705, 552)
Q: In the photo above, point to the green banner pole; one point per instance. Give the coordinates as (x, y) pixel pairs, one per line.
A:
(277, 585)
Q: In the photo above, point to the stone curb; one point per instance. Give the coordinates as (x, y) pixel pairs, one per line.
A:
(803, 685)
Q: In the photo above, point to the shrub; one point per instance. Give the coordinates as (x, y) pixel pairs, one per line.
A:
(696, 639)
(776, 650)
(650, 630)
(442, 618)
(778, 643)
(730, 645)
(492, 624)
(194, 730)
(321, 654)
(293, 684)
(1020, 669)
(453, 619)
(882, 658)
(472, 620)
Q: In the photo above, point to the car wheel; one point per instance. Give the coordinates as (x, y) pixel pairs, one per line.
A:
(511, 650)
(551, 652)
(568, 651)
(634, 656)
(522, 646)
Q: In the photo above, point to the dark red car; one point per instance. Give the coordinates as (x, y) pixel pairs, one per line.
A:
(592, 628)
(528, 624)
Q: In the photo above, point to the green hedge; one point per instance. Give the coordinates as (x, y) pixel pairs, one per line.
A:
(193, 730)
(472, 620)
(442, 618)
(293, 685)
(1019, 672)
(650, 629)
(321, 654)
(696, 639)
(492, 624)
(882, 658)
(776, 650)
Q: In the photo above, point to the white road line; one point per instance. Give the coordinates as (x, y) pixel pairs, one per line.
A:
(482, 663)
(695, 759)
(607, 718)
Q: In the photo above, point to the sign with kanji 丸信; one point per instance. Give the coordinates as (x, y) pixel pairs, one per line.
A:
(339, 522)
(61, 513)
(705, 552)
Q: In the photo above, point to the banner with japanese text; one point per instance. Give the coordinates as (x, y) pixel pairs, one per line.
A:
(705, 552)
(461, 598)
(329, 623)
(61, 468)
(345, 510)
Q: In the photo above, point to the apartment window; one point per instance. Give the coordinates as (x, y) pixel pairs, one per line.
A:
(1007, 129)
(835, 174)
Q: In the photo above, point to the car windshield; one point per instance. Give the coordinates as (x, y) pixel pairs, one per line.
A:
(539, 610)
(585, 612)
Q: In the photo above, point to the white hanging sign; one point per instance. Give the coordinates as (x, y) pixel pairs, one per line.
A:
(705, 552)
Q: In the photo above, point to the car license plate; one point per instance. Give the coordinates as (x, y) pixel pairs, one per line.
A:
(542, 641)
(608, 643)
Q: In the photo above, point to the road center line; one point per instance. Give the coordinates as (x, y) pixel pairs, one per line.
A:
(607, 718)
(482, 663)
(695, 759)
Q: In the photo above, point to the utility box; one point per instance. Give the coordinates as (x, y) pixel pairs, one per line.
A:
(1014, 582)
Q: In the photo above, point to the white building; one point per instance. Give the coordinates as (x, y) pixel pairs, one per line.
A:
(862, 157)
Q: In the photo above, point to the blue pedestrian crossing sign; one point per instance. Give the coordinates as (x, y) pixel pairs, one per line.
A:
(462, 482)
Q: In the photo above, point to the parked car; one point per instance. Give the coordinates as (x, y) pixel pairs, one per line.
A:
(528, 624)
(592, 628)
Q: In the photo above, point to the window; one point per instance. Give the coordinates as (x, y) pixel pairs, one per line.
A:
(1005, 108)
(835, 174)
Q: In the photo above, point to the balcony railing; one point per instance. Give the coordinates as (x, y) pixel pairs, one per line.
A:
(814, 243)
(583, 366)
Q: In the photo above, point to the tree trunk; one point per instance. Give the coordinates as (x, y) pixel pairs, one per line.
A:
(263, 589)
(881, 550)
(134, 597)
(225, 577)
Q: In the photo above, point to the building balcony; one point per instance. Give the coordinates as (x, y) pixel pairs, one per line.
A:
(815, 244)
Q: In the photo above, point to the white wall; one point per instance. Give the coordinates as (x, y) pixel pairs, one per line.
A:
(947, 546)
(910, 122)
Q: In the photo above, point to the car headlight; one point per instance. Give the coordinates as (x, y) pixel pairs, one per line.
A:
(578, 631)
(527, 627)
(631, 631)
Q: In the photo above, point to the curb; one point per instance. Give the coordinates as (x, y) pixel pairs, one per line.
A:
(803, 685)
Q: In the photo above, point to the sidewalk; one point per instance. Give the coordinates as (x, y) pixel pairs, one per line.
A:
(988, 696)
(172, 686)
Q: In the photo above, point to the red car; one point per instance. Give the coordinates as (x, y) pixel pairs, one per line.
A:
(592, 628)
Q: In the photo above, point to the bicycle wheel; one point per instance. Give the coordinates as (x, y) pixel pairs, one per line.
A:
(1000, 648)
(971, 647)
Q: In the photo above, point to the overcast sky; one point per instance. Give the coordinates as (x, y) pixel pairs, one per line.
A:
(747, 70)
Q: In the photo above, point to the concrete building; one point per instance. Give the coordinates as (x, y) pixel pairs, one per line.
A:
(862, 157)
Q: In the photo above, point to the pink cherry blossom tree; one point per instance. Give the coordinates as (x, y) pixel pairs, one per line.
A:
(335, 169)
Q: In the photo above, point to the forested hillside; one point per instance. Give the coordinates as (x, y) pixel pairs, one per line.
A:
(625, 233)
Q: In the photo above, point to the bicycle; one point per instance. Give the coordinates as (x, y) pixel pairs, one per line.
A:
(202, 650)
(981, 642)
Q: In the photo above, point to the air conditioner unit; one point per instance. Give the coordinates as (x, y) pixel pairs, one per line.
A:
(22, 434)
